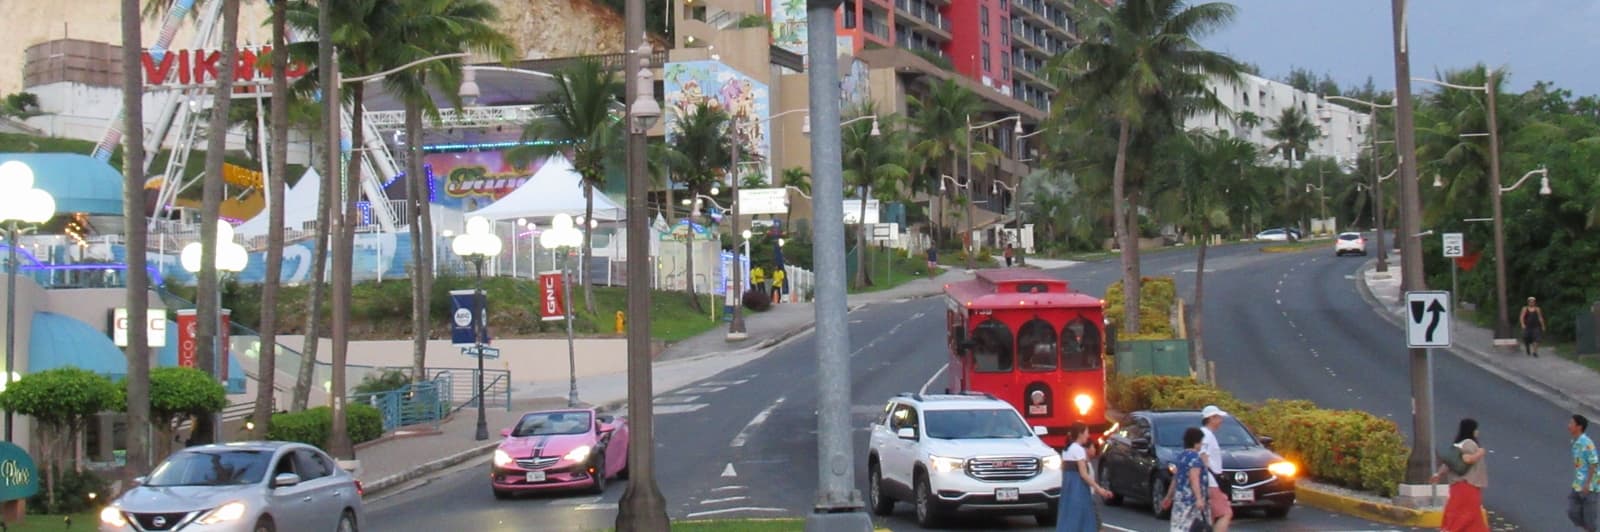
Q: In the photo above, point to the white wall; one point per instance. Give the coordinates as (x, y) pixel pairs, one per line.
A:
(1342, 134)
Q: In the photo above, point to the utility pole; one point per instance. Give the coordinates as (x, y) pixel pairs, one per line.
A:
(1502, 324)
(736, 326)
(838, 506)
(1377, 192)
(1418, 468)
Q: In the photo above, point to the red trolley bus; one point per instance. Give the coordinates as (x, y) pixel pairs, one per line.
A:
(1026, 338)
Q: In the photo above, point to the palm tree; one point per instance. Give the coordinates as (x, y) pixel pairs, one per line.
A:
(940, 119)
(872, 164)
(133, 212)
(277, 166)
(582, 114)
(698, 154)
(1141, 64)
(206, 313)
(1292, 133)
(800, 179)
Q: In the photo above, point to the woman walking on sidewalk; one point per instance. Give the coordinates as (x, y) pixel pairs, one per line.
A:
(1532, 326)
(1077, 512)
(1463, 512)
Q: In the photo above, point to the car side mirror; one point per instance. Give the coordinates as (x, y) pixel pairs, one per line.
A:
(1141, 443)
(139, 480)
(505, 433)
(1266, 441)
(906, 433)
(1040, 430)
(283, 480)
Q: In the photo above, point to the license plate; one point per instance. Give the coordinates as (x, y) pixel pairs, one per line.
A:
(1005, 494)
(1244, 495)
(535, 476)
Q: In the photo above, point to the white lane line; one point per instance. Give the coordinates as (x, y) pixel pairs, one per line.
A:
(693, 515)
(702, 389)
(677, 409)
(728, 472)
(607, 506)
(749, 428)
(1118, 528)
(724, 499)
(935, 376)
(676, 399)
(576, 502)
(727, 488)
(724, 383)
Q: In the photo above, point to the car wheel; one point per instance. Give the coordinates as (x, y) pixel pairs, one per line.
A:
(1158, 491)
(1110, 485)
(347, 522)
(264, 524)
(927, 507)
(1048, 518)
(1279, 512)
(599, 476)
(881, 504)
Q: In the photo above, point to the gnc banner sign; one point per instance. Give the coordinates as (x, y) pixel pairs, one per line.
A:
(552, 306)
(188, 331)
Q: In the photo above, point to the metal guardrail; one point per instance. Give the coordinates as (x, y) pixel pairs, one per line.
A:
(496, 388)
(420, 403)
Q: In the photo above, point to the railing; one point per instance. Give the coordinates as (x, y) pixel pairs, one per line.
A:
(614, 61)
(414, 404)
(460, 384)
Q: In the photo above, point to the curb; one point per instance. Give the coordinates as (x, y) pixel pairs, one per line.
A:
(1366, 509)
(421, 470)
(1474, 355)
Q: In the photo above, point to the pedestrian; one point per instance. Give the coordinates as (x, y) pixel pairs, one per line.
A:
(1185, 496)
(1463, 512)
(758, 279)
(1532, 326)
(1008, 253)
(1077, 511)
(933, 259)
(1581, 507)
(1211, 454)
(777, 285)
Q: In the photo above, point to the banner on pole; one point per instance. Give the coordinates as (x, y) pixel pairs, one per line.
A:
(464, 317)
(187, 331)
(552, 303)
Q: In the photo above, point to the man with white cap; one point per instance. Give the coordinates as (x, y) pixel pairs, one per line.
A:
(1211, 454)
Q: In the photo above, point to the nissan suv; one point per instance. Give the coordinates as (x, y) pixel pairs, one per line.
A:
(957, 454)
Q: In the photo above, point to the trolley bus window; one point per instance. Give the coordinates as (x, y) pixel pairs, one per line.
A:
(991, 350)
(1080, 345)
(1036, 346)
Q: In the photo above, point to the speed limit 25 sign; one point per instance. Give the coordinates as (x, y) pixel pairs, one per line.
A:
(1453, 244)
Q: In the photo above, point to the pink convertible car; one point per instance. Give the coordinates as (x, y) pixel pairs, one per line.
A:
(560, 449)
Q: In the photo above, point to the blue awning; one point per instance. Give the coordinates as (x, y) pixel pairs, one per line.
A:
(79, 183)
(59, 341)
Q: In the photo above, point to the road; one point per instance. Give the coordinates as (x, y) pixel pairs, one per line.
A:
(742, 443)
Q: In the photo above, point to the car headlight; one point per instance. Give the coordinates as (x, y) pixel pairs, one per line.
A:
(579, 454)
(502, 458)
(1172, 469)
(945, 464)
(112, 515)
(1052, 462)
(1283, 469)
(222, 514)
(1084, 402)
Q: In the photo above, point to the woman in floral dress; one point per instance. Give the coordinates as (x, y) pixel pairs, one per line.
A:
(1186, 483)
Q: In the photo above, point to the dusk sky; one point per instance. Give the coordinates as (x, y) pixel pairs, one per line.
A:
(1551, 40)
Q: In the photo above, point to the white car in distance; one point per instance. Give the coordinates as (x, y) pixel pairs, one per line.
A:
(1351, 242)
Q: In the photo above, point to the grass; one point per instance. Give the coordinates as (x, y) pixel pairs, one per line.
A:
(900, 269)
(1292, 247)
(53, 523)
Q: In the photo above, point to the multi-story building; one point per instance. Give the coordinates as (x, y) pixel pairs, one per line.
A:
(1254, 104)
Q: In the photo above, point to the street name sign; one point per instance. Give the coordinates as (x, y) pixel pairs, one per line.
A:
(488, 352)
(1453, 246)
(1428, 319)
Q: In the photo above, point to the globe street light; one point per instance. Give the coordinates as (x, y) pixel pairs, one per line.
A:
(478, 244)
(230, 257)
(19, 202)
(563, 236)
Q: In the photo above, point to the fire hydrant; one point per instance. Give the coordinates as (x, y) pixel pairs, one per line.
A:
(620, 322)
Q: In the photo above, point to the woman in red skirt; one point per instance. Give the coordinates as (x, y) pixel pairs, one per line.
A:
(1464, 511)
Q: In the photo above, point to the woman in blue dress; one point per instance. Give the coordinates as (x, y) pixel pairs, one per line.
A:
(1078, 512)
(1183, 492)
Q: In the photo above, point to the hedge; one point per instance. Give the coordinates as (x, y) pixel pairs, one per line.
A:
(1157, 295)
(1348, 448)
(311, 426)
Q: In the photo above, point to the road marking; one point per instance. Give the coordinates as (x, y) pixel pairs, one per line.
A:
(749, 428)
(676, 399)
(677, 409)
(917, 315)
(724, 499)
(703, 389)
(728, 472)
(727, 488)
(1118, 528)
(724, 383)
(608, 506)
(576, 502)
(936, 375)
(693, 515)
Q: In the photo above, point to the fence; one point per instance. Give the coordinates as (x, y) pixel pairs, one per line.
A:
(417, 403)
(459, 384)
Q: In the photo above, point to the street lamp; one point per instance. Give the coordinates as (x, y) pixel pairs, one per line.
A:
(1016, 131)
(563, 236)
(19, 202)
(230, 257)
(1016, 212)
(478, 244)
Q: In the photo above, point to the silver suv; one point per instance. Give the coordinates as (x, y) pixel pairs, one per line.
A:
(960, 453)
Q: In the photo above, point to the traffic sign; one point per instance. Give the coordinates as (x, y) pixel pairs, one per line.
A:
(1453, 246)
(1428, 319)
(488, 352)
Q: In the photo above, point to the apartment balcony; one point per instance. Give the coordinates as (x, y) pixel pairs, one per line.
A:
(1032, 76)
(877, 28)
(919, 14)
(1050, 17)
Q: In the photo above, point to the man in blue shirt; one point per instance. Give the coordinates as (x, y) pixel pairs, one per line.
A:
(1581, 507)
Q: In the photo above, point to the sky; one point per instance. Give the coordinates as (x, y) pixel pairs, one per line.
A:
(1549, 40)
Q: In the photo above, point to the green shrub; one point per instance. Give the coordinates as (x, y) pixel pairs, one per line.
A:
(388, 380)
(72, 493)
(1157, 295)
(311, 426)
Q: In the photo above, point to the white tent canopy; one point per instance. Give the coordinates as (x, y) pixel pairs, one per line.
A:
(555, 189)
(299, 207)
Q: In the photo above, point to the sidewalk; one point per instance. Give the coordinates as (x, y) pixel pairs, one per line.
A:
(1566, 383)
(396, 460)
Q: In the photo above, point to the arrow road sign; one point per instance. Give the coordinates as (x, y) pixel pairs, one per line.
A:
(1428, 319)
(1453, 246)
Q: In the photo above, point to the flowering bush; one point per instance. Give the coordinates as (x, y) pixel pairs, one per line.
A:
(1157, 295)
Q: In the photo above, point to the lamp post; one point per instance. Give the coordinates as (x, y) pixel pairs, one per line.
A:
(563, 236)
(1016, 213)
(1377, 184)
(19, 203)
(1016, 131)
(478, 244)
(230, 257)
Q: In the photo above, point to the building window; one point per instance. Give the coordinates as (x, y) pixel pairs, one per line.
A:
(983, 20)
(849, 15)
(985, 52)
(697, 12)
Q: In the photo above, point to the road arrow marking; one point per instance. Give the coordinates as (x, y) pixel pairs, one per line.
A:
(727, 472)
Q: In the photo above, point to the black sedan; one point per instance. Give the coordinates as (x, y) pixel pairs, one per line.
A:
(1137, 462)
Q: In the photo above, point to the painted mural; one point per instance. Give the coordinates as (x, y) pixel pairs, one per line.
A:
(468, 181)
(743, 98)
(856, 88)
(789, 30)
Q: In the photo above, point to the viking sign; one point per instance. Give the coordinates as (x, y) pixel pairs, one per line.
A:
(200, 67)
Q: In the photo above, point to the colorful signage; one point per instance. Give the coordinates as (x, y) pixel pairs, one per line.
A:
(19, 478)
(188, 332)
(155, 328)
(551, 301)
(469, 181)
(691, 83)
(464, 305)
(199, 67)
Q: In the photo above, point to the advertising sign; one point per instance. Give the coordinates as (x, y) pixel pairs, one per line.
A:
(463, 309)
(469, 181)
(19, 478)
(551, 303)
(852, 210)
(155, 328)
(763, 201)
(199, 67)
(186, 338)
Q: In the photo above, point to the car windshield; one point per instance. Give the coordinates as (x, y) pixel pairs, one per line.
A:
(551, 423)
(1349, 236)
(971, 424)
(233, 467)
(1232, 434)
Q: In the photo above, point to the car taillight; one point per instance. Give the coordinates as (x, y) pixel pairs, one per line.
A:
(361, 491)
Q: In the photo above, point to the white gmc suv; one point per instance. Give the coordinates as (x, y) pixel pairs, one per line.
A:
(960, 453)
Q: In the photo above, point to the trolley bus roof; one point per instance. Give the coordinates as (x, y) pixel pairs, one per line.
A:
(1017, 288)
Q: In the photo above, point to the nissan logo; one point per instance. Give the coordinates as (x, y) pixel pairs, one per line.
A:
(1240, 477)
(159, 521)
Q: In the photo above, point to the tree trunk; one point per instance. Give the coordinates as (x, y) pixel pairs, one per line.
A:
(688, 264)
(588, 250)
(1195, 314)
(862, 279)
(429, 268)
(327, 79)
(416, 196)
(277, 170)
(137, 241)
(338, 432)
(209, 349)
(1130, 240)
(667, 209)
